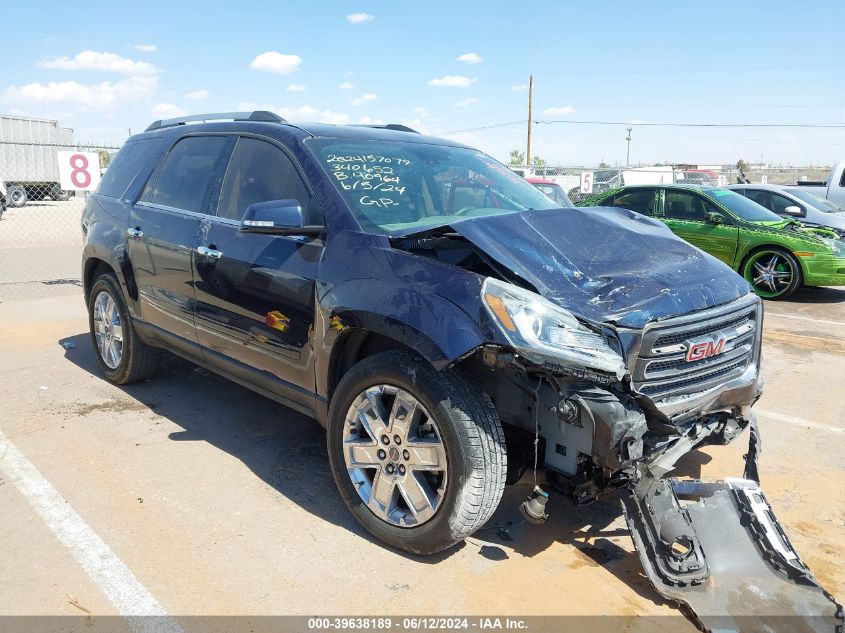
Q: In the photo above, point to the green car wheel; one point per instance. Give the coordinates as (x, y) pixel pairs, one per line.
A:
(772, 272)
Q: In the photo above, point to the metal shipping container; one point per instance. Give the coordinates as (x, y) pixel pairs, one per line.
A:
(29, 167)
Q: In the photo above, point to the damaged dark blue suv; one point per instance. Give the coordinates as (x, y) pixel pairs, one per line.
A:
(434, 311)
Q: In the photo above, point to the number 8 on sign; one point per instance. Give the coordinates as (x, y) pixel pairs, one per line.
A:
(79, 171)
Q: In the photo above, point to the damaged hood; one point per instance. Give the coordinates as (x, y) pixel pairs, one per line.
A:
(605, 264)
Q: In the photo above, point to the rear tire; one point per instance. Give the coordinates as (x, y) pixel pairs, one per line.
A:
(59, 194)
(16, 196)
(461, 428)
(123, 357)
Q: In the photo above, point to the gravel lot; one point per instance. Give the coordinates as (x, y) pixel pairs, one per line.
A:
(218, 501)
(40, 242)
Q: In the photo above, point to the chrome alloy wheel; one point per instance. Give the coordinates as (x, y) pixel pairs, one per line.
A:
(108, 330)
(770, 273)
(395, 456)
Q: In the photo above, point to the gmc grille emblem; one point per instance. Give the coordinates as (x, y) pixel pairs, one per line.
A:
(699, 350)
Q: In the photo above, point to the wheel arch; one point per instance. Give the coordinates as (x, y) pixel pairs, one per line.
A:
(354, 344)
(94, 267)
(772, 246)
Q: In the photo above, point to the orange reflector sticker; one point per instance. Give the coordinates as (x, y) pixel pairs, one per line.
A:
(499, 309)
(803, 254)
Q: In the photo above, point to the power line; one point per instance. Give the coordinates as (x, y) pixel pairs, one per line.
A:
(486, 127)
(686, 71)
(734, 106)
(727, 125)
(657, 124)
(476, 115)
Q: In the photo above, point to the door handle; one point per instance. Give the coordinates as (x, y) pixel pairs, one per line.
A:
(209, 252)
(135, 233)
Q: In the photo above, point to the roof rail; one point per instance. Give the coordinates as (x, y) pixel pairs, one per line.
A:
(396, 127)
(257, 115)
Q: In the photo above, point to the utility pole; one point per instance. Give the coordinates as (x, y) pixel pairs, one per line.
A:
(530, 97)
(628, 153)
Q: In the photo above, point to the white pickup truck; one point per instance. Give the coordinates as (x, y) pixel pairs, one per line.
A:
(833, 189)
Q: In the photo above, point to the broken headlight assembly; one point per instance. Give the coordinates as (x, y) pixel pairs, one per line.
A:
(545, 333)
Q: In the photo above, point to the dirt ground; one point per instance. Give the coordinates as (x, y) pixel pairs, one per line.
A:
(221, 502)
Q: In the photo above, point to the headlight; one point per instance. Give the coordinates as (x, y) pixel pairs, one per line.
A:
(542, 331)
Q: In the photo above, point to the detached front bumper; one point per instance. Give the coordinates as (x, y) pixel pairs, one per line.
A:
(719, 548)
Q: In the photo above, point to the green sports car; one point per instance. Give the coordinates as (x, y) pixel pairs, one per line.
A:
(775, 256)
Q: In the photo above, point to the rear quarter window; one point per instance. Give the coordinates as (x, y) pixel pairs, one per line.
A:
(135, 159)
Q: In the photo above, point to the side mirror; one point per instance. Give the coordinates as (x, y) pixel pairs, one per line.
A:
(714, 217)
(277, 217)
(793, 210)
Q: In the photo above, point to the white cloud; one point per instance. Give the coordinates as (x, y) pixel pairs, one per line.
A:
(364, 98)
(146, 48)
(466, 102)
(276, 63)
(365, 120)
(302, 113)
(452, 81)
(416, 124)
(297, 88)
(197, 95)
(346, 85)
(166, 111)
(519, 88)
(101, 97)
(421, 111)
(105, 62)
(470, 58)
(564, 111)
(467, 138)
(359, 18)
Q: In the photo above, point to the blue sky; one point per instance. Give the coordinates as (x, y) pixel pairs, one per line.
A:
(449, 68)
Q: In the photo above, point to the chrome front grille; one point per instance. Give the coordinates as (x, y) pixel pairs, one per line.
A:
(680, 337)
(662, 369)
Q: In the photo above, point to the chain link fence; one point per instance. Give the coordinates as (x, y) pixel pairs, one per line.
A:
(605, 177)
(40, 231)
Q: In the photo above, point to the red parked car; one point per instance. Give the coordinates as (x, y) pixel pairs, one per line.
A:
(553, 190)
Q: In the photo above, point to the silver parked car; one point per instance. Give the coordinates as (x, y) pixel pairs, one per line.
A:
(795, 204)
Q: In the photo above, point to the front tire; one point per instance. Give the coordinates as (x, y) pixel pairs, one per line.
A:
(123, 357)
(773, 272)
(418, 455)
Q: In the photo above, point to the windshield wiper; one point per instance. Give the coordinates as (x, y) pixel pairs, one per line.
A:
(436, 230)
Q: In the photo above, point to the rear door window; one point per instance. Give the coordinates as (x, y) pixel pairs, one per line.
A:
(640, 200)
(779, 204)
(685, 205)
(763, 198)
(186, 176)
(259, 172)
